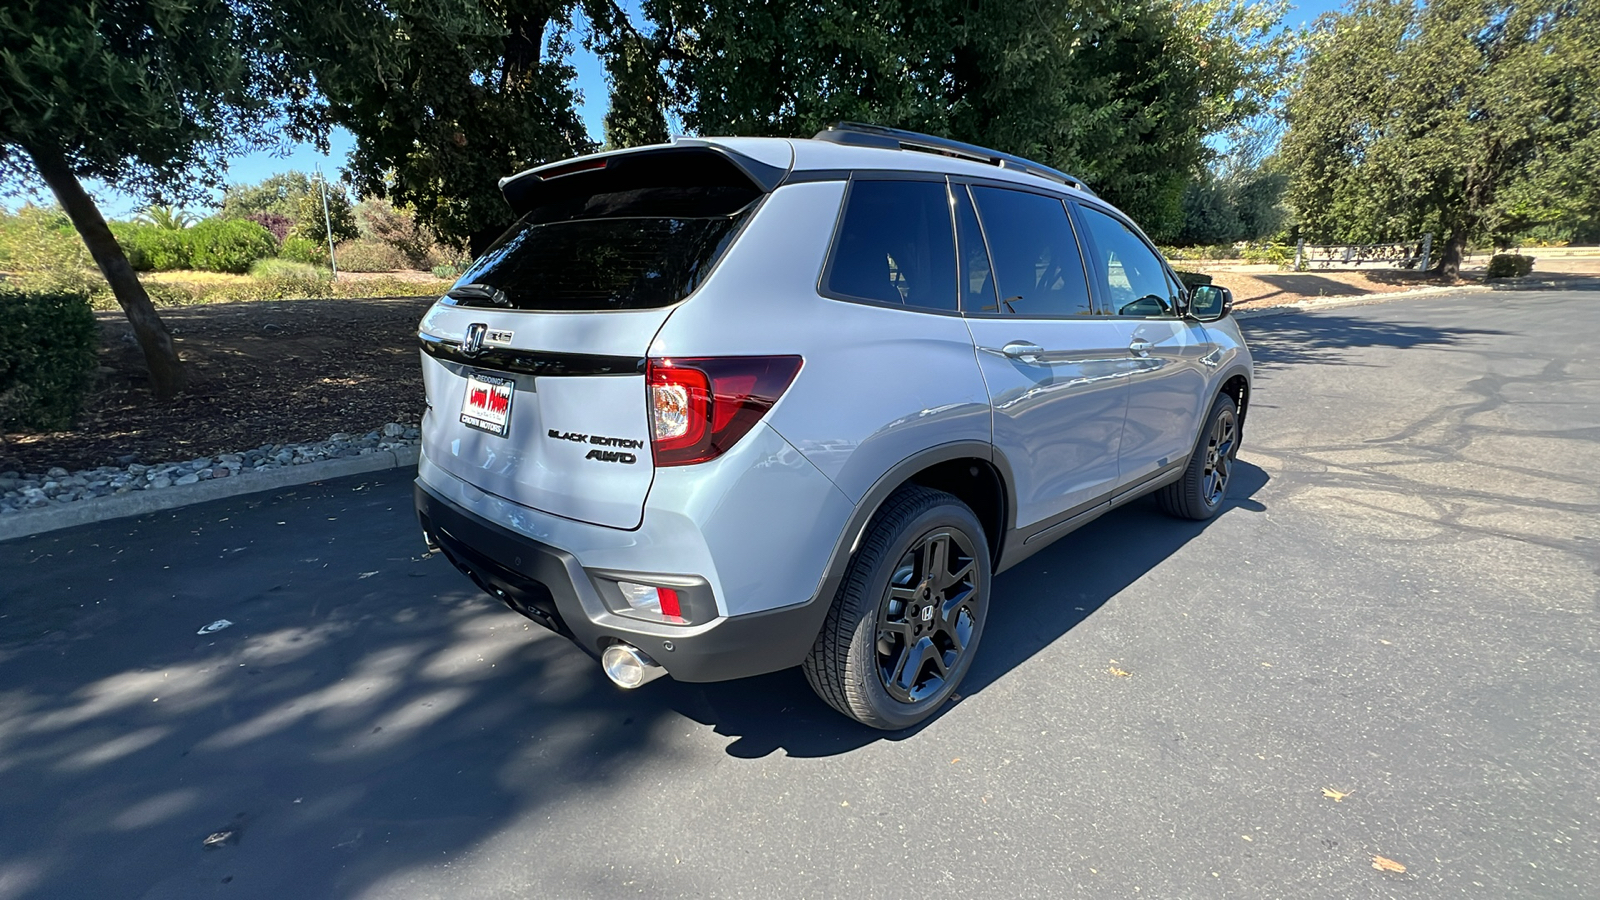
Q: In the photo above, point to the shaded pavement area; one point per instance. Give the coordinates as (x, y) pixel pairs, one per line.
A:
(1397, 606)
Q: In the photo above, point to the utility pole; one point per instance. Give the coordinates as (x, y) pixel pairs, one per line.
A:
(327, 221)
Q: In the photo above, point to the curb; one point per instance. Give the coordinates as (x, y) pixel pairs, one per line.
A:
(137, 503)
(1359, 300)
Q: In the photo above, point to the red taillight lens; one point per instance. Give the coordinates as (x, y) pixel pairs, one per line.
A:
(701, 406)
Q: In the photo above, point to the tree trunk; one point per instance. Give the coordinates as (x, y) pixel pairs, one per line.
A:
(1450, 260)
(167, 377)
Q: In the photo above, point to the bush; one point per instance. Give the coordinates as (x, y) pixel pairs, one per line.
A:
(1509, 265)
(152, 249)
(284, 268)
(40, 245)
(280, 225)
(302, 250)
(446, 272)
(47, 351)
(228, 245)
(379, 220)
(1192, 280)
(369, 256)
(1270, 252)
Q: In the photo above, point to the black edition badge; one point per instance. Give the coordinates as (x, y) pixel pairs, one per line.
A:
(599, 440)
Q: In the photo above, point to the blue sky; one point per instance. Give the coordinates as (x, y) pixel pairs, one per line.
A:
(591, 85)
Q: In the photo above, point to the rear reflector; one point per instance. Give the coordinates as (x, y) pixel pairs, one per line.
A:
(702, 406)
(647, 598)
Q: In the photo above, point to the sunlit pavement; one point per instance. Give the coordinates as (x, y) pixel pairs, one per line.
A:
(1398, 609)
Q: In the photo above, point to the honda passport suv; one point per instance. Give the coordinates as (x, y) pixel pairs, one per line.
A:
(725, 406)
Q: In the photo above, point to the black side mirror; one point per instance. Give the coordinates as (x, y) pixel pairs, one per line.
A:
(1210, 302)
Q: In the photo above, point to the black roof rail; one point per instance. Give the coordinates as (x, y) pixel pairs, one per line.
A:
(863, 135)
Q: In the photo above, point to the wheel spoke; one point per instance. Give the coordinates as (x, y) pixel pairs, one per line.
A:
(938, 559)
(959, 577)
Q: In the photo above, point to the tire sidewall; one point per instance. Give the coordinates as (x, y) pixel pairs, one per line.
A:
(863, 662)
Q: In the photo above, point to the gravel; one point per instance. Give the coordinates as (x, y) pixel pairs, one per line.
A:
(58, 487)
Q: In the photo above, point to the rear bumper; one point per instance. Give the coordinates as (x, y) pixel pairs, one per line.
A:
(549, 586)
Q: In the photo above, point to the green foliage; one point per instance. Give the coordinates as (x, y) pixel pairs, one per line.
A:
(39, 245)
(445, 98)
(311, 220)
(1209, 214)
(48, 341)
(1120, 92)
(447, 273)
(380, 221)
(168, 217)
(369, 256)
(1509, 265)
(276, 195)
(283, 268)
(278, 285)
(153, 249)
(1467, 118)
(228, 245)
(301, 250)
(1268, 253)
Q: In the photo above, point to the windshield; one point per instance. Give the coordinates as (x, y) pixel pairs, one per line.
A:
(633, 249)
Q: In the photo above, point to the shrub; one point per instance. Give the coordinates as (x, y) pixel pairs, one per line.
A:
(1192, 280)
(280, 225)
(228, 245)
(152, 249)
(1270, 252)
(302, 250)
(284, 268)
(447, 272)
(40, 245)
(369, 256)
(1509, 265)
(379, 220)
(47, 350)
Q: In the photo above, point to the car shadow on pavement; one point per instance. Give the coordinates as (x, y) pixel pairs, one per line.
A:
(369, 719)
(1293, 338)
(1033, 604)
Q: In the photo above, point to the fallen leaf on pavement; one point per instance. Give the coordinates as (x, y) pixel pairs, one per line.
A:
(1334, 795)
(1384, 864)
(217, 839)
(1120, 673)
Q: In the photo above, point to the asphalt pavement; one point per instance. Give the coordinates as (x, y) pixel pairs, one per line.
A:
(1386, 646)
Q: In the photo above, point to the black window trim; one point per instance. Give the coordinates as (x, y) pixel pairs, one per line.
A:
(1096, 308)
(1105, 302)
(838, 226)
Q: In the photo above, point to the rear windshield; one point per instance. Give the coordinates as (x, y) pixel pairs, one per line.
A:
(640, 248)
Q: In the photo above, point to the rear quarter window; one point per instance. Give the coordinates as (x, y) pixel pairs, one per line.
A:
(895, 246)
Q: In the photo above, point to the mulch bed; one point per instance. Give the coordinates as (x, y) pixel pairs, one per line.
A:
(259, 373)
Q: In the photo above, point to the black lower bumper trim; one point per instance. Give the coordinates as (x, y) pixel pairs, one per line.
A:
(548, 585)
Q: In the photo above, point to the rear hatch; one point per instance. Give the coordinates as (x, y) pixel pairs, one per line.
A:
(534, 362)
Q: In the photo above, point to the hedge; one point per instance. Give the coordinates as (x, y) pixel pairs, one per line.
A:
(48, 341)
(214, 245)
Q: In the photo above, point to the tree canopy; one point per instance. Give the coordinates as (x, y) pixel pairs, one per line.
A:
(1470, 118)
(1122, 93)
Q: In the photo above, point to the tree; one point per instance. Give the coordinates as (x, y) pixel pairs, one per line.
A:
(277, 195)
(167, 218)
(445, 98)
(145, 95)
(312, 223)
(1120, 92)
(1470, 118)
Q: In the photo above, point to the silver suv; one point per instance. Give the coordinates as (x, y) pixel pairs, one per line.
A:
(730, 405)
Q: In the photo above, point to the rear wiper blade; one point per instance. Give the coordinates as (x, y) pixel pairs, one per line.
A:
(476, 291)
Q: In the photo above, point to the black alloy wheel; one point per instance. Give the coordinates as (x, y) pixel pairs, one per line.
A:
(928, 615)
(1199, 493)
(905, 623)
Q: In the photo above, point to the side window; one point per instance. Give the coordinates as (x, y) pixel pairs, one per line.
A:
(1130, 274)
(896, 245)
(1036, 263)
(977, 276)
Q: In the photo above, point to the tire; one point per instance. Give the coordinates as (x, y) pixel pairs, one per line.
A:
(1200, 493)
(897, 642)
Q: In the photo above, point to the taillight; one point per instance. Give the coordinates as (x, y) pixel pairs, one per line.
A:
(702, 406)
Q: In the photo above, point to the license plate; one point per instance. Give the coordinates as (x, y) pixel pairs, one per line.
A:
(487, 404)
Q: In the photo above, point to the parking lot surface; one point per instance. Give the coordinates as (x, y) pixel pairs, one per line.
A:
(1385, 647)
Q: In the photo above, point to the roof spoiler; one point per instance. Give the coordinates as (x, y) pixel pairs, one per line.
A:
(695, 161)
(862, 135)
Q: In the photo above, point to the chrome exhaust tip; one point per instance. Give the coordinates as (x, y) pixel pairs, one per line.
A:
(628, 667)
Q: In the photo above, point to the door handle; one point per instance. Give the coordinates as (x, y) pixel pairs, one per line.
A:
(1022, 351)
(1140, 347)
